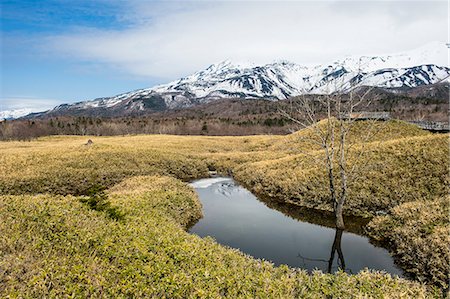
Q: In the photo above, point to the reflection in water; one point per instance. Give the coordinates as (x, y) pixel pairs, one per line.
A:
(353, 224)
(236, 218)
(226, 188)
(337, 248)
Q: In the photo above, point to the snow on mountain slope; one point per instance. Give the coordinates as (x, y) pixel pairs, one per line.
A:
(278, 81)
(425, 65)
(16, 113)
(432, 53)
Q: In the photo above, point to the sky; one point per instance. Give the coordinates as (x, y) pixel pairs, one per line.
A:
(64, 51)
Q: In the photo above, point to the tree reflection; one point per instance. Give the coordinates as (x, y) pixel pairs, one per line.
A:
(336, 247)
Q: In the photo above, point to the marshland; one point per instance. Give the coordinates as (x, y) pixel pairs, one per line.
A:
(112, 218)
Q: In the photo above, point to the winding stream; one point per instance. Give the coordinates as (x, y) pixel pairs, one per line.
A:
(233, 216)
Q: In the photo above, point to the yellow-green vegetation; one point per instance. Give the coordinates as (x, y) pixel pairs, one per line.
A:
(394, 172)
(402, 165)
(65, 165)
(56, 246)
(419, 232)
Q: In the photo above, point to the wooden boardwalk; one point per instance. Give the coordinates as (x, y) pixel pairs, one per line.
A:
(365, 115)
(434, 126)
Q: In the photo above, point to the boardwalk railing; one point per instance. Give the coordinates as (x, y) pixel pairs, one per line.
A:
(432, 125)
(364, 115)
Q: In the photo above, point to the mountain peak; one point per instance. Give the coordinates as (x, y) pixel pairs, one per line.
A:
(230, 64)
(281, 79)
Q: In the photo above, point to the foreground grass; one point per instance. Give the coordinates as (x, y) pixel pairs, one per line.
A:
(56, 246)
(408, 168)
(419, 233)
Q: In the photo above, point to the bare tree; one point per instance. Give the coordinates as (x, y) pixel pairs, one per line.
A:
(332, 136)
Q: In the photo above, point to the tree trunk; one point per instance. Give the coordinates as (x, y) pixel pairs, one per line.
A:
(341, 201)
(342, 168)
(338, 212)
(332, 189)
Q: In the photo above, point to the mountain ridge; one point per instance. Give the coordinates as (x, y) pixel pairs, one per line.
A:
(275, 81)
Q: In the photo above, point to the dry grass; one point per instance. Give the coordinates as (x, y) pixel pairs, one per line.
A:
(407, 165)
(419, 232)
(399, 171)
(54, 246)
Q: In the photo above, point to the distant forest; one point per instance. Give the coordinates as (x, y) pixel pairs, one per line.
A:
(224, 117)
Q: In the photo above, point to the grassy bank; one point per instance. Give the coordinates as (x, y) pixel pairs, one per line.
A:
(65, 165)
(56, 246)
(419, 234)
(400, 170)
(408, 166)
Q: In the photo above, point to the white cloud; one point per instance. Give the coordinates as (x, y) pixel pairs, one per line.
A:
(166, 40)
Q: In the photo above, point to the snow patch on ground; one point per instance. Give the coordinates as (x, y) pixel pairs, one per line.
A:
(205, 183)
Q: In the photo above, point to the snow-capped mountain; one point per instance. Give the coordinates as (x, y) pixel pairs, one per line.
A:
(277, 81)
(16, 113)
(280, 80)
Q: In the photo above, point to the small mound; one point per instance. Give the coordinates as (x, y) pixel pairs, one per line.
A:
(361, 132)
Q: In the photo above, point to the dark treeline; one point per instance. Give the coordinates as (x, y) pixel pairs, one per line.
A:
(230, 117)
(29, 129)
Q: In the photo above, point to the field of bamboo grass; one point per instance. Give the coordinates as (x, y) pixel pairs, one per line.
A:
(59, 239)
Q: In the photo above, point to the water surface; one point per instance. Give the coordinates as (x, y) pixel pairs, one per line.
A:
(233, 216)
